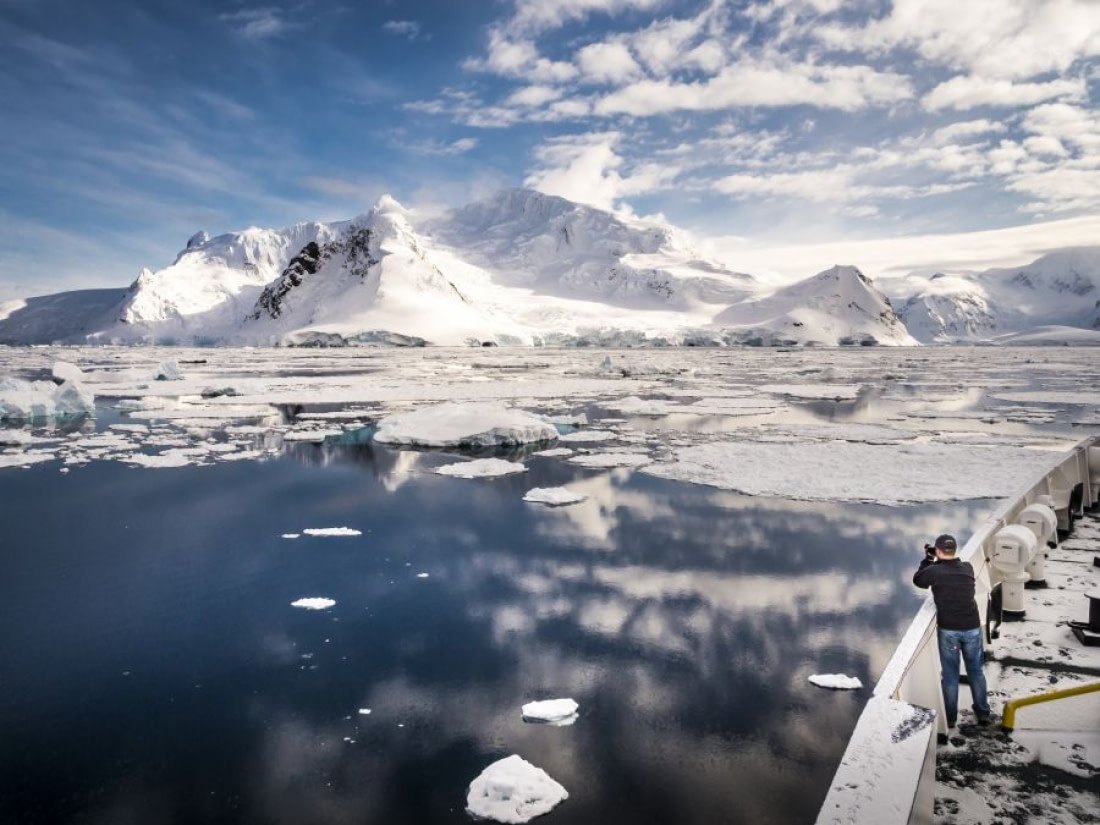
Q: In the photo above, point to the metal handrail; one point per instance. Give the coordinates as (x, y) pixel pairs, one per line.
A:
(1008, 719)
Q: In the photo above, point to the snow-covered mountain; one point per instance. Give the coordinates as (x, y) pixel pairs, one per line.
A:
(526, 268)
(837, 306)
(1059, 289)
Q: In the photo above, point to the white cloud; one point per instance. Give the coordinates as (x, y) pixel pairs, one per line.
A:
(991, 38)
(580, 168)
(588, 169)
(540, 15)
(402, 28)
(257, 24)
(966, 129)
(607, 63)
(750, 83)
(898, 256)
(533, 96)
(967, 92)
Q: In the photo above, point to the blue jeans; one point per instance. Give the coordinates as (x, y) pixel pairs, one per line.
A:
(969, 643)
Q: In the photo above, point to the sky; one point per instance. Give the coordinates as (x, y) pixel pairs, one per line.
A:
(914, 132)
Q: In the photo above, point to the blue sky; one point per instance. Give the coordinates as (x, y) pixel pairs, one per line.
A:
(128, 126)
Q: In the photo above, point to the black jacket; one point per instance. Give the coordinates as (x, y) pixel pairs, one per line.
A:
(952, 583)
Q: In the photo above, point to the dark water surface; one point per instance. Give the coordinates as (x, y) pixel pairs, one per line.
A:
(152, 669)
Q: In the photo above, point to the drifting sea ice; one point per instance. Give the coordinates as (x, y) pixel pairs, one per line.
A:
(836, 681)
(28, 400)
(481, 468)
(553, 496)
(486, 424)
(843, 471)
(551, 711)
(332, 531)
(313, 603)
(512, 790)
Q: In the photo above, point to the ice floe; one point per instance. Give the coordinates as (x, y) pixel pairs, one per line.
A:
(313, 603)
(836, 681)
(481, 468)
(587, 435)
(553, 496)
(512, 790)
(843, 471)
(332, 531)
(484, 424)
(603, 461)
(552, 711)
(31, 400)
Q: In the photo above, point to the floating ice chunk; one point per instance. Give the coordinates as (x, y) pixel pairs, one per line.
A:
(24, 459)
(639, 406)
(588, 435)
(608, 460)
(465, 425)
(553, 496)
(291, 535)
(422, 575)
(481, 468)
(554, 711)
(64, 371)
(168, 458)
(843, 471)
(838, 392)
(310, 435)
(364, 711)
(15, 438)
(28, 400)
(554, 452)
(332, 531)
(313, 603)
(512, 790)
(167, 371)
(836, 681)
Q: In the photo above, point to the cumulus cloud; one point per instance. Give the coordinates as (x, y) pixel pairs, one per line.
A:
(752, 83)
(607, 63)
(967, 92)
(1008, 39)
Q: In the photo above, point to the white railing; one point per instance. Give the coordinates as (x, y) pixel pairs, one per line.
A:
(887, 773)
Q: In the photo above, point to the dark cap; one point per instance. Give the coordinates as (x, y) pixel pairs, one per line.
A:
(946, 543)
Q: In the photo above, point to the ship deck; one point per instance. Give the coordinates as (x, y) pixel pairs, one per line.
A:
(1047, 770)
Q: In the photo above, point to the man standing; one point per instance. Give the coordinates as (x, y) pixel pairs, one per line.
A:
(959, 627)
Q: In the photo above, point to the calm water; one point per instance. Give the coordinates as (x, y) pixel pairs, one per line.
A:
(153, 670)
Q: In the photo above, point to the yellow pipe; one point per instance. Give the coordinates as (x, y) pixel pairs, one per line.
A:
(1009, 717)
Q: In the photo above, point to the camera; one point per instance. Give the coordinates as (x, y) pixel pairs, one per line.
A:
(929, 550)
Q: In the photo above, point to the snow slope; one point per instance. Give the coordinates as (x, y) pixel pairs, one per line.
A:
(1061, 288)
(839, 306)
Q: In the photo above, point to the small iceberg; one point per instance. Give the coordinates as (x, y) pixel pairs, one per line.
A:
(481, 468)
(836, 681)
(452, 424)
(551, 711)
(32, 400)
(553, 496)
(314, 603)
(513, 790)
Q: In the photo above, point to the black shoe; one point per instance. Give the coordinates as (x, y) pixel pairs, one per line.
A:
(950, 723)
(941, 738)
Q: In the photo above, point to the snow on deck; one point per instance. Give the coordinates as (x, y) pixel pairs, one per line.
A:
(1048, 769)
